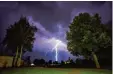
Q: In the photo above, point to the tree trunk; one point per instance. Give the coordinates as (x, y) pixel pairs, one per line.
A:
(16, 57)
(19, 62)
(13, 61)
(96, 60)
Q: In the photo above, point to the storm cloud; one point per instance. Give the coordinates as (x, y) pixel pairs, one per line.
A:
(52, 18)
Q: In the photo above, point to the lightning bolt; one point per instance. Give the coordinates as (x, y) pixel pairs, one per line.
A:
(58, 42)
(56, 50)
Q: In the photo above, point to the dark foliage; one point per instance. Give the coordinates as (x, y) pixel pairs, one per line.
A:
(62, 62)
(42, 61)
(50, 62)
(28, 60)
(55, 62)
(39, 62)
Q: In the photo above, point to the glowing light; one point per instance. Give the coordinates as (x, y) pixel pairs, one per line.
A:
(56, 43)
(32, 64)
(56, 49)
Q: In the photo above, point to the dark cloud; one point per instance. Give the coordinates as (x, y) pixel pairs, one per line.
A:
(52, 18)
(50, 13)
(98, 3)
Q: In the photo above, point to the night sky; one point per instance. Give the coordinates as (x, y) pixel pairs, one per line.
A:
(52, 19)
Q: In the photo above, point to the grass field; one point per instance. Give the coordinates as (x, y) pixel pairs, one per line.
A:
(37, 70)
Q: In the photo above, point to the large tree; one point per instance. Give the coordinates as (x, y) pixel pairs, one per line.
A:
(20, 37)
(86, 34)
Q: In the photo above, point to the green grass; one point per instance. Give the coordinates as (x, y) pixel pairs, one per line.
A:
(36, 70)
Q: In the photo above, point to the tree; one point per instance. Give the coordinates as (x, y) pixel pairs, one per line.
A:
(86, 34)
(50, 62)
(20, 37)
(55, 62)
(62, 62)
(36, 62)
(42, 61)
(78, 61)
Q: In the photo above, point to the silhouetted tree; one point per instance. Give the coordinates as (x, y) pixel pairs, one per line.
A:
(36, 62)
(62, 62)
(20, 37)
(42, 61)
(50, 62)
(86, 34)
(46, 63)
(55, 62)
(78, 61)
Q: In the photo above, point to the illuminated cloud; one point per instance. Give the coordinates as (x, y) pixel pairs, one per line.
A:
(52, 19)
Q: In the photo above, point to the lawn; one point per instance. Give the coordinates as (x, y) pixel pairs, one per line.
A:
(37, 70)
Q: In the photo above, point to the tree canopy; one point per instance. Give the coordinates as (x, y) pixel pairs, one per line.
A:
(87, 33)
(19, 37)
(20, 33)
